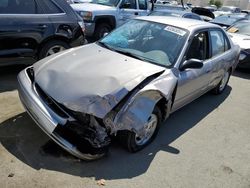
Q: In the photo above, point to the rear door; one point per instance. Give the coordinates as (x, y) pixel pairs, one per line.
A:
(194, 82)
(8, 30)
(220, 46)
(29, 27)
(64, 24)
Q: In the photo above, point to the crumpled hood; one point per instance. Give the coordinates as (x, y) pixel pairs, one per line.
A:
(90, 7)
(91, 79)
(242, 40)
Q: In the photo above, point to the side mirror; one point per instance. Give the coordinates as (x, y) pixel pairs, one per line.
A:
(126, 5)
(191, 64)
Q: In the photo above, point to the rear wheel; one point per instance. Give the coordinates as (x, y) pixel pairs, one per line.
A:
(223, 83)
(52, 47)
(134, 142)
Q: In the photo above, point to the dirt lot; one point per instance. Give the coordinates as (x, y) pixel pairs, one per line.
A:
(205, 144)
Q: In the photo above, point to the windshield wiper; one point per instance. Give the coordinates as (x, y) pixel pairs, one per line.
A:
(135, 56)
(103, 44)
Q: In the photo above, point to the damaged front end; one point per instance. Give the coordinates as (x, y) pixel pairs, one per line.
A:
(80, 134)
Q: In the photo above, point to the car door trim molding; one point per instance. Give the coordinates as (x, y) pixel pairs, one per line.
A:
(36, 15)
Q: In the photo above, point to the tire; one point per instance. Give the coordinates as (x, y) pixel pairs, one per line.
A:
(52, 46)
(223, 83)
(101, 29)
(130, 140)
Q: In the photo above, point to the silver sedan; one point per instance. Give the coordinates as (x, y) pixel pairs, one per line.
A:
(127, 83)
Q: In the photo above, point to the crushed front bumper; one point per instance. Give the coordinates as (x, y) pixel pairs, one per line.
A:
(46, 118)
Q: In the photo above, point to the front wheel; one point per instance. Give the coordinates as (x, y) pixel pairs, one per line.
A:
(101, 30)
(223, 83)
(134, 142)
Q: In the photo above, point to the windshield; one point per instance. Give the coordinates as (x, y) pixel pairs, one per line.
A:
(148, 41)
(112, 3)
(240, 28)
(226, 9)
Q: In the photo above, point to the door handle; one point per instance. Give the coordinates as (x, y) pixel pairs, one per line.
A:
(42, 26)
(208, 70)
(136, 13)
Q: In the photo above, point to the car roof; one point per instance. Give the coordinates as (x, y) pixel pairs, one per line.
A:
(233, 15)
(243, 21)
(180, 12)
(185, 23)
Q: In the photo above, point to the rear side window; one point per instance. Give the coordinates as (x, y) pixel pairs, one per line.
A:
(142, 4)
(18, 7)
(3, 4)
(50, 7)
(219, 42)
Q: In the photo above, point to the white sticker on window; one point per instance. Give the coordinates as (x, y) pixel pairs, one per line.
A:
(175, 30)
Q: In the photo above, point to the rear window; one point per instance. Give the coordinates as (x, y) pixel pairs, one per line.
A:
(18, 7)
(50, 7)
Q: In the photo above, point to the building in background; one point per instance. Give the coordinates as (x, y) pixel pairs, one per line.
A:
(243, 4)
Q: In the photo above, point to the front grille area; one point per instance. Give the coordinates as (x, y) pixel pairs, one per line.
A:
(83, 137)
(50, 102)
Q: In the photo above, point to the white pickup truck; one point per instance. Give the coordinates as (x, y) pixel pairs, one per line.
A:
(102, 16)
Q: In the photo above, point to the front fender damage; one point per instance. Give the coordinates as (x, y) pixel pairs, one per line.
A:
(134, 114)
(91, 134)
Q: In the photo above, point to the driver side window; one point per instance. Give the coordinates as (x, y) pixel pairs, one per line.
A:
(128, 4)
(198, 48)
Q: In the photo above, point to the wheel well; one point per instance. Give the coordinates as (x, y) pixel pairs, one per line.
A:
(162, 105)
(109, 21)
(51, 39)
(231, 70)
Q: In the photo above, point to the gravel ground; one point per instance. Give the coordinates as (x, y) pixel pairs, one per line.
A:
(205, 144)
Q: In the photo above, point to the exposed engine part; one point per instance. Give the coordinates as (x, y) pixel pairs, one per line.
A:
(88, 138)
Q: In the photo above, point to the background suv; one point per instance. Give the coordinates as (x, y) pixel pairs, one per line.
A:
(33, 29)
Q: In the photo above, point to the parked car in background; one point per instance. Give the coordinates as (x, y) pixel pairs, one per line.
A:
(175, 13)
(240, 35)
(150, 67)
(170, 7)
(81, 1)
(211, 8)
(101, 17)
(245, 11)
(69, 1)
(204, 13)
(227, 20)
(33, 29)
(227, 10)
(167, 2)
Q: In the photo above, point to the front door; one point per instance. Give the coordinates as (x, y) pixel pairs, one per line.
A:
(194, 82)
(128, 10)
